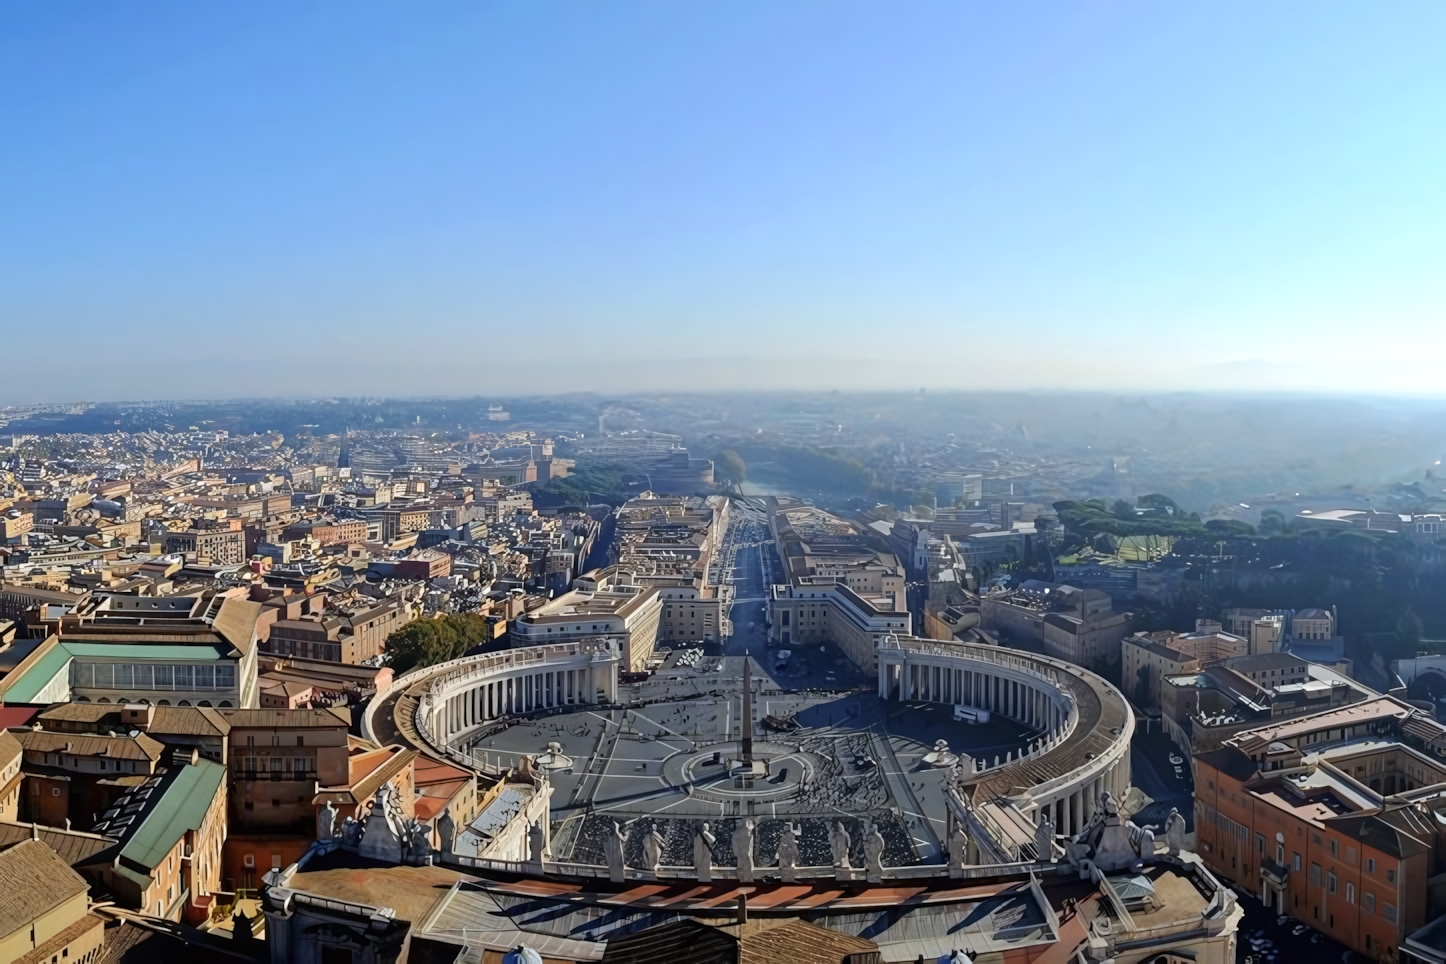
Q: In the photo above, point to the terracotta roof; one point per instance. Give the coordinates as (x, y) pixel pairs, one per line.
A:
(34, 881)
(189, 721)
(17, 715)
(71, 846)
(801, 942)
(138, 747)
(10, 747)
(52, 948)
(288, 719)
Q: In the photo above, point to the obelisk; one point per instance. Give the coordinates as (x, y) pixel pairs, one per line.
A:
(747, 713)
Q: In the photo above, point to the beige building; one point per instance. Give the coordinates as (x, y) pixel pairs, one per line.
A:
(12, 754)
(618, 610)
(822, 610)
(43, 916)
(1145, 659)
(835, 586)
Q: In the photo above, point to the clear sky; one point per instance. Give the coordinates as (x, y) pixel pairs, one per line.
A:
(207, 199)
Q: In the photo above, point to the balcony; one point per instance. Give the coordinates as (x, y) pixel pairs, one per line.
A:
(1275, 873)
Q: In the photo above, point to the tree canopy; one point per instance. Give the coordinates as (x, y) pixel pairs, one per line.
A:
(1152, 515)
(426, 642)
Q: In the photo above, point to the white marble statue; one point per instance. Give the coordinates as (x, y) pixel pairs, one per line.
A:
(840, 843)
(1175, 831)
(652, 851)
(703, 843)
(1044, 838)
(743, 850)
(788, 852)
(613, 841)
(873, 852)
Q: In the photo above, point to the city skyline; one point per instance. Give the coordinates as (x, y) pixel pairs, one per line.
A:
(817, 197)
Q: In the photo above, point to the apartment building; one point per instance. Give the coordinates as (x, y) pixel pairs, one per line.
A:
(1077, 625)
(169, 831)
(45, 912)
(216, 546)
(71, 779)
(836, 586)
(1335, 819)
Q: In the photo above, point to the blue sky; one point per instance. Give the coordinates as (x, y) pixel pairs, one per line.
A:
(204, 200)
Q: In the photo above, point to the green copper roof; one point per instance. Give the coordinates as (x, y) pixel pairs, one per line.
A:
(23, 685)
(182, 807)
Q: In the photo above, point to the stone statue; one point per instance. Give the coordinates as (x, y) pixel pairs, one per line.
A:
(1044, 838)
(839, 843)
(743, 850)
(1175, 831)
(703, 855)
(958, 850)
(1108, 804)
(326, 822)
(652, 851)
(351, 832)
(788, 852)
(384, 834)
(1145, 847)
(446, 831)
(536, 844)
(873, 853)
(421, 843)
(613, 841)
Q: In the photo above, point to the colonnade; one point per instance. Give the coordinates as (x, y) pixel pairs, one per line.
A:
(471, 693)
(1035, 703)
(1063, 781)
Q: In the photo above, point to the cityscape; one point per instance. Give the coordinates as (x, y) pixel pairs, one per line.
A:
(802, 676)
(749, 483)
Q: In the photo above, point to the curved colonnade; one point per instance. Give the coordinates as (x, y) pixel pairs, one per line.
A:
(447, 703)
(1081, 724)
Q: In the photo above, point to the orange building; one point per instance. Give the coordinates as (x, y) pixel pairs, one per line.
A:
(1333, 819)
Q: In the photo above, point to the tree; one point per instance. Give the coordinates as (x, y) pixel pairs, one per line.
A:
(426, 642)
(1123, 510)
(1272, 522)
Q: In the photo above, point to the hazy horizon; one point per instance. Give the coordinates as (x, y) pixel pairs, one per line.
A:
(262, 201)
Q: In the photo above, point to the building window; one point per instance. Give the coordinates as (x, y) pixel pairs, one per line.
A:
(1390, 876)
(1315, 875)
(1295, 862)
(1331, 883)
(1335, 848)
(1368, 901)
(1370, 865)
(1350, 893)
(1388, 911)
